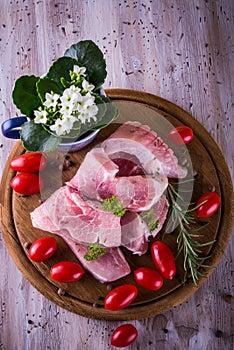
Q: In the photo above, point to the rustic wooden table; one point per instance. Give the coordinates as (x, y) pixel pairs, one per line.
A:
(180, 50)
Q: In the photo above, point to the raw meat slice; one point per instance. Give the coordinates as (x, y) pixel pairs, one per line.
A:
(139, 193)
(113, 258)
(135, 139)
(68, 212)
(158, 211)
(96, 168)
(96, 179)
(127, 166)
(134, 233)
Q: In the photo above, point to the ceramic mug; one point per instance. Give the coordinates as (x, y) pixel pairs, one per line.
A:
(11, 129)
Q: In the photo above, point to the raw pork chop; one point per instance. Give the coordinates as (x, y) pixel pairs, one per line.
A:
(135, 139)
(137, 193)
(96, 179)
(68, 212)
(96, 168)
(157, 212)
(113, 258)
(134, 232)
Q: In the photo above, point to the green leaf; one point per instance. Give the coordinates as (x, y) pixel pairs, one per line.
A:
(88, 55)
(110, 114)
(45, 85)
(60, 70)
(25, 94)
(36, 139)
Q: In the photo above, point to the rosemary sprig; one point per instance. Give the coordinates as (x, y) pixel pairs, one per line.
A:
(183, 221)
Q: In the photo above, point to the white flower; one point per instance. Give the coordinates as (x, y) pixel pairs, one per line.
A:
(79, 71)
(69, 96)
(63, 126)
(58, 127)
(86, 100)
(66, 110)
(51, 100)
(88, 113)
(41, 117)
(68, 122)
(87, 86)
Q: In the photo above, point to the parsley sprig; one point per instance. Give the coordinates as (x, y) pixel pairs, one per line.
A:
(113, 205)
(95, 250)
(147, 217)
(187, 236)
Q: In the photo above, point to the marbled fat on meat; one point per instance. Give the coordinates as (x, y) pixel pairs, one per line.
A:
(159, 212)
(96, 179)
(139, 193)
(95, 169)
(140, 141)
(84, 223)
(134, 233)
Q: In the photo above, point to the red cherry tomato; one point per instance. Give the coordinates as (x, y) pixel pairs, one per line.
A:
(120, 297)
(211, 205)
(148, 278)
(28, 162)
(66, 271)
(42, 249)
(27, 183)
(124, 335)
(181, 134)
(163, 259)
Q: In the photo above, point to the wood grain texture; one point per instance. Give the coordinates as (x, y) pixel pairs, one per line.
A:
(179, 50)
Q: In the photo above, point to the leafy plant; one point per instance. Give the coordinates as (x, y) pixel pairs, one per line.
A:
(84, 53)
(67, 102)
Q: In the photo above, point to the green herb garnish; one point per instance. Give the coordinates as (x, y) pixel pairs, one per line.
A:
(153, 225)
(187, 238)
(114, 205)
(94, 252)
(147, 217)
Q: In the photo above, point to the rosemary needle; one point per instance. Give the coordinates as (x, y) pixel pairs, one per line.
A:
(187, 237)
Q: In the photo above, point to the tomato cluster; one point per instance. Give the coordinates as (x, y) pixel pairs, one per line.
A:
(28, 182)
(123, 295)
(64, 271)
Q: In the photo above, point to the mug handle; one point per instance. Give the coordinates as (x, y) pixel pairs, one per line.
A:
(10, 128)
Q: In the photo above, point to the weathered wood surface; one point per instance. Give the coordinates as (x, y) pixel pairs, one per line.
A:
(181, 51)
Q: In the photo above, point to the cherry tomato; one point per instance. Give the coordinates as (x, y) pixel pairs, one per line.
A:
(163, 259)
(148, 278)
(124, 335)
(42, 249)
(181, 134)
(66, 271)
(27, 183)
(211, 205)
(120, 297)
(31, 162)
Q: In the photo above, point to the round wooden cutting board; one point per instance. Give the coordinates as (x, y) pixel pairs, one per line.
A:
(85, 297)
